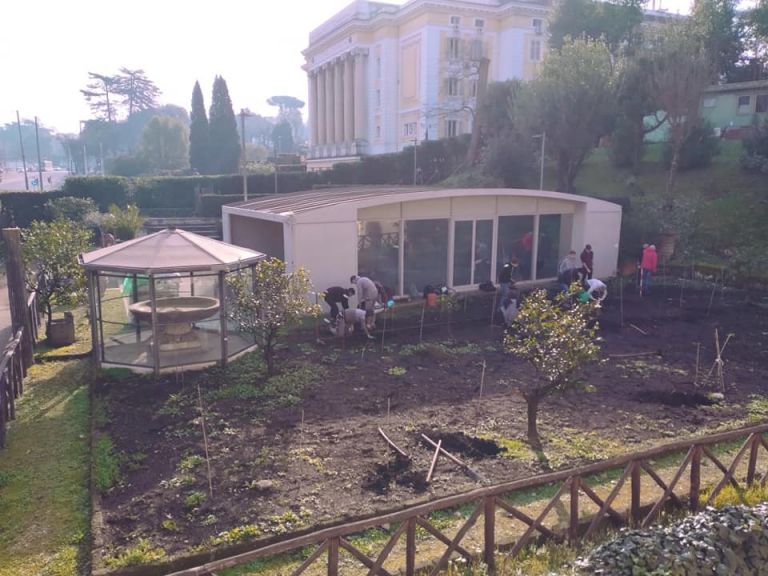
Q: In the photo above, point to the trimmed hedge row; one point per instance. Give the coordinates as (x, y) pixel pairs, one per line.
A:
(177, 196)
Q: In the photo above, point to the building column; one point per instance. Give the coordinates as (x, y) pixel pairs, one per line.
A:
(361, 117)
(313, 142)
(338, 101)
(330, 137)
(349, 105)
(320, 74)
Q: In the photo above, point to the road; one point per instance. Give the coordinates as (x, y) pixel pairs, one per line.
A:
(14, 181)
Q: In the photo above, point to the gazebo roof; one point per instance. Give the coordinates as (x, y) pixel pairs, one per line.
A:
(170, 250)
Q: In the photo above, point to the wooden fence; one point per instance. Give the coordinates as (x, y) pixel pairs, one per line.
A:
(570, 485)
(13, 367)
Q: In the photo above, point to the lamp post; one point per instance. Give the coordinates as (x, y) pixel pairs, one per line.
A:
(85, 153)
(543, 137)
(23, 157)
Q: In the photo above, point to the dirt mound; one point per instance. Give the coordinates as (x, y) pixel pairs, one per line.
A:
(461, 444)
(674, 398)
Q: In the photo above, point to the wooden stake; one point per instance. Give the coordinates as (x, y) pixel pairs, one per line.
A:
(205, 435)
(453, 458)
(389, 407)
(383, 331)
(711, 297)
(394, 446)
(698, 355)
(636, 354)
(434, 460)
(621, 301)
(643, 332)
(493, 306)
(480, 398)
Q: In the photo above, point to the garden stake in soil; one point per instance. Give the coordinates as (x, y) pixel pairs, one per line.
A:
(394, 446)
(434, 460)
(205, 435)
(480, 398)
(711, 297)
(464, 465)
(698, 355)
(421, 327)
(643, 332)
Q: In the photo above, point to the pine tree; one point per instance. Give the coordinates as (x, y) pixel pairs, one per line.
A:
(198, 133)
(222, 132)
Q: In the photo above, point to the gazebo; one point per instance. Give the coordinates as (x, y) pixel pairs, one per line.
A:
(160, 302)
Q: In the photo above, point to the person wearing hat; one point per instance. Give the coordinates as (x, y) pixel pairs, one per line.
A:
(647, 269)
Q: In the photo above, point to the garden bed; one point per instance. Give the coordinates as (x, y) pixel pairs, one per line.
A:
(303, 448)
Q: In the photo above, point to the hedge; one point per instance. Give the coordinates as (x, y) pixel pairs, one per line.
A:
(176, 196)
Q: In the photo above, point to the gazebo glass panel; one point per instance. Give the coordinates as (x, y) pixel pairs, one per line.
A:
(515, 240)
(125, 339)
(188, 332)
(237, 340)
(426, 254)
(378, 249)
(549, 246)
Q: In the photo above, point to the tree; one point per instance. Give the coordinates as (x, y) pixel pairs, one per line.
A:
(713, 24)
(99, 93)
(290, 111)
(680, 70)
(269, 301)
(165, 143)
(138, 91)
(558, 340)
(615, 22)
(573, 101)
(224, 144)
(282, 138)
(198, 133)
(50, 252)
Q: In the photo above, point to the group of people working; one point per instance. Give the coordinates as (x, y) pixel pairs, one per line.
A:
(574, 268)
(342, 317)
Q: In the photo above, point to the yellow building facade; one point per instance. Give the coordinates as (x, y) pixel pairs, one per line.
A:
(384, 76)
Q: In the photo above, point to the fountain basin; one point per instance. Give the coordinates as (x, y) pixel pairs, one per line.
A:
(175, 317)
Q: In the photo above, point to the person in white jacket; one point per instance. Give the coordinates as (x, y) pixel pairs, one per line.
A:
(367, 296)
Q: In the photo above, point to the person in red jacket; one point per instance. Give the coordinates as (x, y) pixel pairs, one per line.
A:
(647, 269)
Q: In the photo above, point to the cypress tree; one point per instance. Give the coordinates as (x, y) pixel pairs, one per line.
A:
(222, 132)
(198, 133)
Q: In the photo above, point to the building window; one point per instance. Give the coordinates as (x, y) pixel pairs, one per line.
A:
(515, 240)
(452, 87)
(479, 22)
(451, 128)
(473, 89)
(378, 66)
(761, 103)
(744, 104)
(453, 48)
(378, 97)
(535, 50)
(378, 251)
(709, 102)
(472, 244)
(409, 129)
(425, 254)
(537, 26)
(477, 49)
(455, 20)
(378, 131)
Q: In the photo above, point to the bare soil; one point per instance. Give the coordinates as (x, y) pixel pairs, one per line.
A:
(285, 460)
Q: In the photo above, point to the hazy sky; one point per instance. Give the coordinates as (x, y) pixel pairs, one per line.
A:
(49, 46)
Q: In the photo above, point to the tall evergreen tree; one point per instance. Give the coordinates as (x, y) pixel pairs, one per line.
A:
(222, 131)
(198, 133)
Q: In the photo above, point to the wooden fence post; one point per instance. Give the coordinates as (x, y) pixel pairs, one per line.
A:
(695, 479)
(489, 537)
(410, 548)
(753, 459)
(17, 293)
(634, 514)
(333, 556)
(573, 525)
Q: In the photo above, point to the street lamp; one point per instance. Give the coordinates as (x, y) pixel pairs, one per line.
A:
(243, 113)
(85, 154)
(543, 137)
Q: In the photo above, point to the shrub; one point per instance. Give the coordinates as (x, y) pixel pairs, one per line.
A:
(125, 222)
(733, 540)
(697, 150)
(69, 208)
(755, 157)
(105, 191)
(141, 553)
(106, 464)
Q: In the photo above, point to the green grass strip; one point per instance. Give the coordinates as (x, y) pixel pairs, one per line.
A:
(44, 474)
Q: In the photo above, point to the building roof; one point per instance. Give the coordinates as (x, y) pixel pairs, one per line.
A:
(284, 205)
(738, 86)
(169, 250)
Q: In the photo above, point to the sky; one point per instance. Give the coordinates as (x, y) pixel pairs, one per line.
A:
(49, 46)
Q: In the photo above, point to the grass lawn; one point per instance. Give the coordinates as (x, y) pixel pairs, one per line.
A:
(44, 504)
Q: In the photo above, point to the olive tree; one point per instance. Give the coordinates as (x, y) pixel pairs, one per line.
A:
(268, 301)
(50, 252)
(558, 338)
